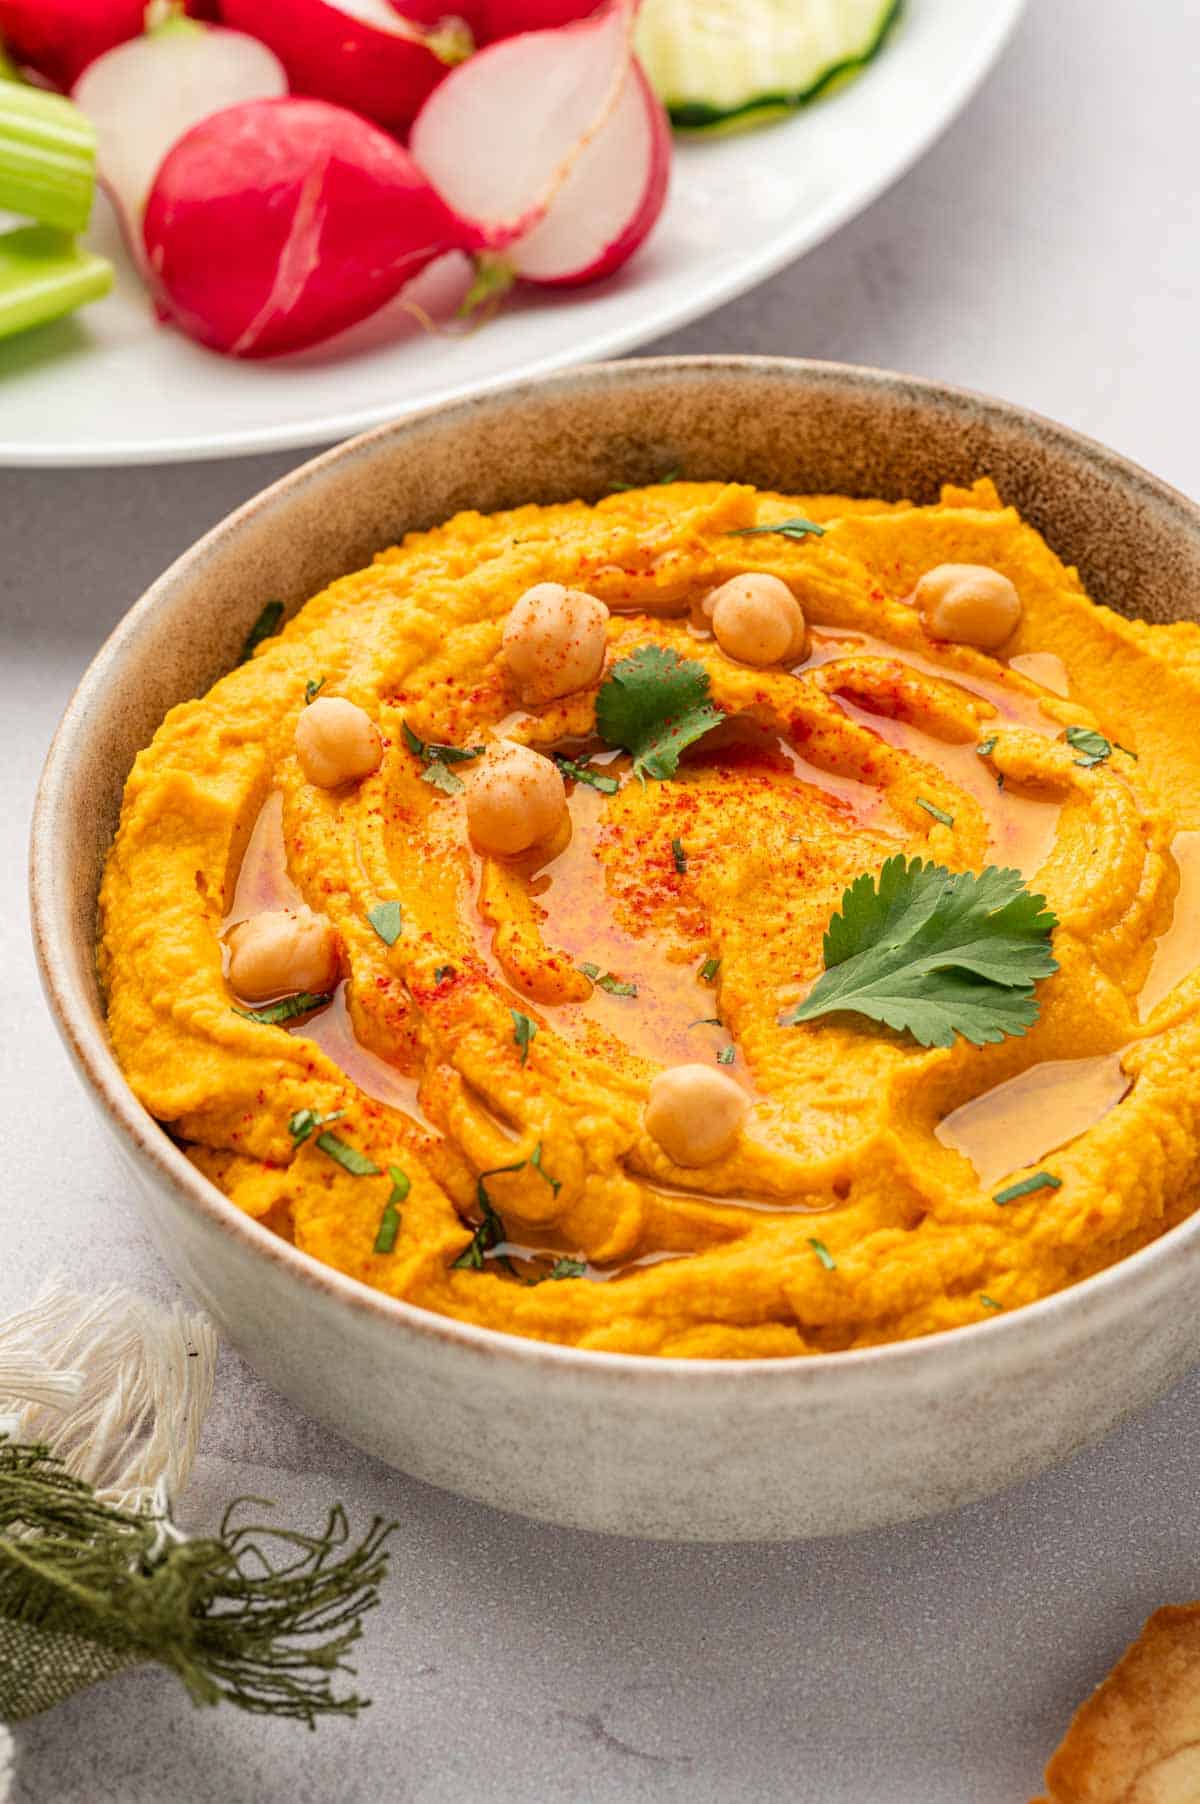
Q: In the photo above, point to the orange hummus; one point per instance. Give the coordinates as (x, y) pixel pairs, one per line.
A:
(857, 1204)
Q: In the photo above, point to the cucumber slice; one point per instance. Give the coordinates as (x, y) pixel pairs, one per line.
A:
(722, 65)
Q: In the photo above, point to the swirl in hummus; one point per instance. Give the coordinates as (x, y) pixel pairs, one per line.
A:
(487, 1024)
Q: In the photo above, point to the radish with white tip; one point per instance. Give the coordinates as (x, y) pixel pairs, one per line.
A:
(596, 187)
(144, 95)
(275, 224)
(367, 55)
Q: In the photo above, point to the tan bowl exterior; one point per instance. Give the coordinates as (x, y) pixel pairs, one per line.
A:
(702, 1450)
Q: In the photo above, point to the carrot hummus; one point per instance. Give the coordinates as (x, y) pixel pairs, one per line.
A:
(470, 933)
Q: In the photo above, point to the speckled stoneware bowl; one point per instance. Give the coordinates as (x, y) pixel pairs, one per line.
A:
(686, 1449)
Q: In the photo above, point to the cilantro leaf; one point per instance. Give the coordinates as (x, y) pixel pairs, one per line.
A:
(491, 1231)
(823, 1254)
(389, 1221)
(679, 856)
(306, 1121)
(604, 980)
(935, 953)
(442, 779)
(387, 919)
(1094, 746)
(436, 757)
(312, 689)
(655, 703)
(796, 528)
(347, 1156)
(939, 814)
(535, 1159)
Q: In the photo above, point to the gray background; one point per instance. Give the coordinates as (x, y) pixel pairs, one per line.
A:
(1046, 251)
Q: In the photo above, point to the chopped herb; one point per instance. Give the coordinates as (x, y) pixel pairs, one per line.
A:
(796, 528)
(604, 980)
(999, 779)
(306, 1121)
(1094, 746)
(823, 1254)
(583, 773)
(535, 1159)
(566, 1268)
(441, 778)
(1124, 748)
(312, 689)
(707, 1021)
(1041, 1180)
(264, 628)
(680, 856)
(491, 1230)
(389, 1221)
(623, 488)
(433, 752)
(934, 953)
(524, 1032)
(654, 704)
(441, 972)
(939, 814)
(292, 1006)
(348, 1157)
(989, 1302)
(709, 969)
(987, 746)
(726, 1055)
(387, 919)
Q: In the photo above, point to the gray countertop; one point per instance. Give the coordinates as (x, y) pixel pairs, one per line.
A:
(1046, 250)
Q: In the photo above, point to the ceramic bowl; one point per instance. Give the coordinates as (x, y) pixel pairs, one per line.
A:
(699, 1449)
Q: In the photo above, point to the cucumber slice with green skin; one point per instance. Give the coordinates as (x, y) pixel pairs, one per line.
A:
(724, 65)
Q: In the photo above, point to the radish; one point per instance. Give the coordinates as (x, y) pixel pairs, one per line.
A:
(275, 224)
(362, 54)
(505, 18)
(143, 96)
(596, 187)
(59, 38)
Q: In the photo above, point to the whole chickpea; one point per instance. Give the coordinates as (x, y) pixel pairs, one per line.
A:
(282, 952)
(969, 603)
(554, 641)
(695, 1113)
(515, 797)
(336, 742)
(757, 620)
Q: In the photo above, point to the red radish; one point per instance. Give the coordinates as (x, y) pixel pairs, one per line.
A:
(275, 224)
(505, 18)
(362, 54)
(143, 96)
(593, 159)
(59, 38)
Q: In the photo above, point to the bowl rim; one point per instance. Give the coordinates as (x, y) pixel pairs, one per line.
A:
(148, 1141)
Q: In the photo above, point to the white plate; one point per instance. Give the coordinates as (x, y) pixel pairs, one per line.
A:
(109, 386)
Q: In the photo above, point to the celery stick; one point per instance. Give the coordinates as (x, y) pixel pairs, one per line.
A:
(44, 273)
(47, 157)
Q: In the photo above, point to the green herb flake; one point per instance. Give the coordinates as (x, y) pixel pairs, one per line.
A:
(441, 972)
(437, 757)
(1041, 1180)
(1117, 746)
(935, 953)
(312, 689)
(1094, 746)
(348, 1157)
(566, 1268)
(264, 627)
(387, 919)
(939, 814)
(823, 1254)
(709, 969)
(535, 1159)
(989, 1302)
(986, 747)
(654, 704)
(604, 980)
(796, 528)
(389, 1221)
(680, 857)
(442, 778)
(726, 1055)
(288, 1010)
(524, 1032)
(707, 1021)
(583, 773)
(491, 1230)
(306, 1121)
